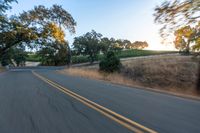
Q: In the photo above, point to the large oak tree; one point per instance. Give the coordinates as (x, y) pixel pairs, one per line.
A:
(37, 26)
(180, 16)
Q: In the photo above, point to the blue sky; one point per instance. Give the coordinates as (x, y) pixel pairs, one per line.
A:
(121, 19)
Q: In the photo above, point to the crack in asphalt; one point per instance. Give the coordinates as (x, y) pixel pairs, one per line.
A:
(33, 124)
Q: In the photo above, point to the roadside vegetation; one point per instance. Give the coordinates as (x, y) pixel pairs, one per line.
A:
(33, 57)
(110, 63)
(176, 74)
(75, 59)
(2, 69)
(181, 19)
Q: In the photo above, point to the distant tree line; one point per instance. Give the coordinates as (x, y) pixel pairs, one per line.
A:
(93, 43)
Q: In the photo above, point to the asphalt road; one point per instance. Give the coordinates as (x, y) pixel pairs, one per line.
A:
(30, 105)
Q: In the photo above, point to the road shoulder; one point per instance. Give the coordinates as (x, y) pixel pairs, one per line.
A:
(137, 86)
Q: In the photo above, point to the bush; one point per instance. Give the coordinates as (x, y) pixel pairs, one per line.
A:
(110, 63)
(79, 59)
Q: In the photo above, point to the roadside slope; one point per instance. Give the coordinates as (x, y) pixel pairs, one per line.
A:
(167, 73)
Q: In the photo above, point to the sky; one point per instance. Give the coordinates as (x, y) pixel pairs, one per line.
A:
(121, 19)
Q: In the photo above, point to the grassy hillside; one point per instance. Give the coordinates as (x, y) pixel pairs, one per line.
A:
(177, 73)
(170, 73)
(123, 54)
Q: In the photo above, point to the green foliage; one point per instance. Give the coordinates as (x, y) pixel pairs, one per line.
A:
(41, 16)
(116, 45)
(19, 55)
(137, 53)
(187, 38)
(54, 54)
(111, 63)
(105, 44)
(80, 59)
(137, 45)
(33, 57)
(5, 5)
(49, 23)
(88, 44)
(15, 55)
(5, 59)
(36, 28)
(122, 54)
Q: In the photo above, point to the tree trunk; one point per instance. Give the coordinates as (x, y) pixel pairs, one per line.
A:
(91, 58)
(69, 57)
(187, 51)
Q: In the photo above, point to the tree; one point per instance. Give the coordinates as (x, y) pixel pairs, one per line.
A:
(51, 22)
(6, 59)
(14, 33)
(119, 44)
(196, 38)
(36, 27)
(172, 15)
(184, 37)
(41, 16)
(11, 31)
(31, 26)
(88, 44)
(137, 45)
(54, 54)
(5, 5)
(105, 44)
(15, 56)
(19, 55)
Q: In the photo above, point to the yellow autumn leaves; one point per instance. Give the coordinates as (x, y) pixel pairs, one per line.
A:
(187, 36)
(56, 32)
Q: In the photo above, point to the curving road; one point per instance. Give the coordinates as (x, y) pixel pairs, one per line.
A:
(29, 104)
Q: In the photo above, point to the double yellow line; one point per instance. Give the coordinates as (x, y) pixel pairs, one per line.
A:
(128, 123)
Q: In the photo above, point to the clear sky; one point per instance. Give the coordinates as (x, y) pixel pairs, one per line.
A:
(121, 19)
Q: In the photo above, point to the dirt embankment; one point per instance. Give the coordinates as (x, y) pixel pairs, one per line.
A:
(171, 73)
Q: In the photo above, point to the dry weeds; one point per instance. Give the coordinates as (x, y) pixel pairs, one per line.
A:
(2, 69)
(177, 74)
(171, 73)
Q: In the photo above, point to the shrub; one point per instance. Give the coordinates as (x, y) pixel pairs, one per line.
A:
(110, 63)
(79, 59)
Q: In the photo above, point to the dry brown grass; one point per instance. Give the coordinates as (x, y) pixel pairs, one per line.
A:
(2, 69)
(171, 73)
(95, 74)
(176, 74)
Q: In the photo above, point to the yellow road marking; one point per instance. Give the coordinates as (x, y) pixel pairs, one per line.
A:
(129, 124)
